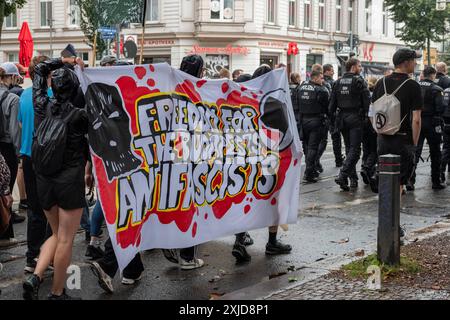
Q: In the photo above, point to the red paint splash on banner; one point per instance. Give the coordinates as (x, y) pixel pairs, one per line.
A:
(225, 87)
(194, 230)
(201, 83)
(130, 94)
(152, 68)
(140, 72)
(236, 99)
(151, 82)
(187, 88)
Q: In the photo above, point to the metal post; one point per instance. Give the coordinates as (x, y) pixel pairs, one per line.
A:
(51, 37)
(118, 41)
(389, 209)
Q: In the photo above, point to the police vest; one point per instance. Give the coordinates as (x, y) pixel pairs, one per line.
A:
(446, 99)
(429, 90)
(347, 95)
(308, 99)
(294, 98)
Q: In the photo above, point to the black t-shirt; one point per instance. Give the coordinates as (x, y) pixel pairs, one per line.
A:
(409, 95)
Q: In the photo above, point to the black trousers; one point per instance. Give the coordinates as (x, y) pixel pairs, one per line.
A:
(445, 147)
(351, 130)
(433, 138)
(38, 229)
(369, 142)
(312, 130)
(110, 266)
(337, 143)
(9, 153)
(323, 143)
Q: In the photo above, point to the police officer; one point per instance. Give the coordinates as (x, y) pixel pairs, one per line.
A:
(312, 99)
(433, 106)
(442, 80)
(349, 105)
(446, 134)
(294, 84)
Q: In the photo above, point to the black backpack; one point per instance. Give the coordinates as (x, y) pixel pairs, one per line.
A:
(2, 122)
(49, 143)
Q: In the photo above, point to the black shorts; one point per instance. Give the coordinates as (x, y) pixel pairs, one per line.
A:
(66, 189)
(399, 145)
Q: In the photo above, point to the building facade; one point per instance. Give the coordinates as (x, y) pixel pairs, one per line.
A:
(236, 34)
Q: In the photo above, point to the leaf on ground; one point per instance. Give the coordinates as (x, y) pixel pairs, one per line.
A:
(292, 279)
(341, 241)
(359, 253)
(215, 295)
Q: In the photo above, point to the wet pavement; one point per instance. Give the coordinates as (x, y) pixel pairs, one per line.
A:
(331, 224)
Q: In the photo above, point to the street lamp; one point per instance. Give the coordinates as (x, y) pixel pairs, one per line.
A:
(50, 23)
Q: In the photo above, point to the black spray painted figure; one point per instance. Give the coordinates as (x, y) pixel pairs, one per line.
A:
(108, 122)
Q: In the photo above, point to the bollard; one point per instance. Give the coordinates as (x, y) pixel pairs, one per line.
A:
(389, 209)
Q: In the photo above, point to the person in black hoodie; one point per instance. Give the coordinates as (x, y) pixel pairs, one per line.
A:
(61, 193)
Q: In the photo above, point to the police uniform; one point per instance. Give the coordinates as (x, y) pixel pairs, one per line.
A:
(313, 103)
(350, 98)
(293, 88)
(431, 130)
(442, 80)
(446, 134)
(335, 134)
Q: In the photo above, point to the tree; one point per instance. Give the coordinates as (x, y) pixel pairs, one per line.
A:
(105, 13)
(420, 22)
(8, 7)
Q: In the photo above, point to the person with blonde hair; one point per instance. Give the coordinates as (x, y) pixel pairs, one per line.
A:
(225, 74)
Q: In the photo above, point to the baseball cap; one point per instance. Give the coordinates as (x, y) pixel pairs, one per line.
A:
(405, 54)
(10, 69)
(69, 51)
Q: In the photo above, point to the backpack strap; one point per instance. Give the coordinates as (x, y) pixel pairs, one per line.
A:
(3, 97)
(396, 90)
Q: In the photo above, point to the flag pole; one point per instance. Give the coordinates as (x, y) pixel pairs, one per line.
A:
(141, 56)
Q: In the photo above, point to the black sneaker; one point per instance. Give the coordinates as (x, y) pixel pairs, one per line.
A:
(94, 252)
(63, 296)
(319, 167)
(30, 266)
(17, 218)
(277, 248)
(410, 186)
(342, 182)
(247, 240)
(339, 163)
(373, 183)
(87, 236)
(365, 176)
(31, 287)
(240, 253)
(438, 186)
(171, 255)
(310, 179)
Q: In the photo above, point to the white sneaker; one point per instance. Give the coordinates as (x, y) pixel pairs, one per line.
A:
(190, 265)
(129, 281)
(104, 280)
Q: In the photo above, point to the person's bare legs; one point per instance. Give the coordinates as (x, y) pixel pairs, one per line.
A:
(69, 222)
(21, 183)
(49, 247)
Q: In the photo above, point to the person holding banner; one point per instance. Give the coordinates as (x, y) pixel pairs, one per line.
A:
(59, 166)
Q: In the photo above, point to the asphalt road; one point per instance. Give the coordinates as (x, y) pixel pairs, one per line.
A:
(331, 223)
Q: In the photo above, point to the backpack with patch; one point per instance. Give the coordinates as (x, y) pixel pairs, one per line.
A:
(386, 112)
(2, 122)
(49, 143)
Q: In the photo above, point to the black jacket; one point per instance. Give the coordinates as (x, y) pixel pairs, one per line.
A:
(442, 81)
(76, 150)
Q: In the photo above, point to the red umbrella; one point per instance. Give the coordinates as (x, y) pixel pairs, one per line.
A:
(26, 45)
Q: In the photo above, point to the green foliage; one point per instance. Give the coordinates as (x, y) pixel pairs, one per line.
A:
(358, 269)
(419, 21)
(104, 13)
(7, 8)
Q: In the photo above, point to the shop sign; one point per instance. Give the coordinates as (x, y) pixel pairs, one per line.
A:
(272, 44)
(368, 51)
(159, 43)
(317, 51)
(228, 50)
(292, 49)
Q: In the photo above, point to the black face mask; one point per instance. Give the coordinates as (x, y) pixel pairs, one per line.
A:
(109, 130)
(64, 84)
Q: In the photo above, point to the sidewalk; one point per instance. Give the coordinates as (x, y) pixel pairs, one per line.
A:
(431, 281)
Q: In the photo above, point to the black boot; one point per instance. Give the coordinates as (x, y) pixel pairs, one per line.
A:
(353, 183)
(437, 185)
(365, 176)
(342, 181)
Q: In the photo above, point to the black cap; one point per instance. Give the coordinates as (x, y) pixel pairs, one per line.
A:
(405, 54)
(111, 60)
(69, 51)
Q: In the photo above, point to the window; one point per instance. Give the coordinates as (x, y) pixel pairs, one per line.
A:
(46, 13)
(12, 57)
(385, 19)
(368, 14)
(271, 9)
(74, 13)
(222, 9)
(292, 12)
(338, 15)
(11, 21)
(312, 59)
(350, 15)
(321, 14)
(307, 21)
(152, 13)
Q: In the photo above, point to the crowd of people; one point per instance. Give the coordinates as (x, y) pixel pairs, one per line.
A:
(44, 129)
